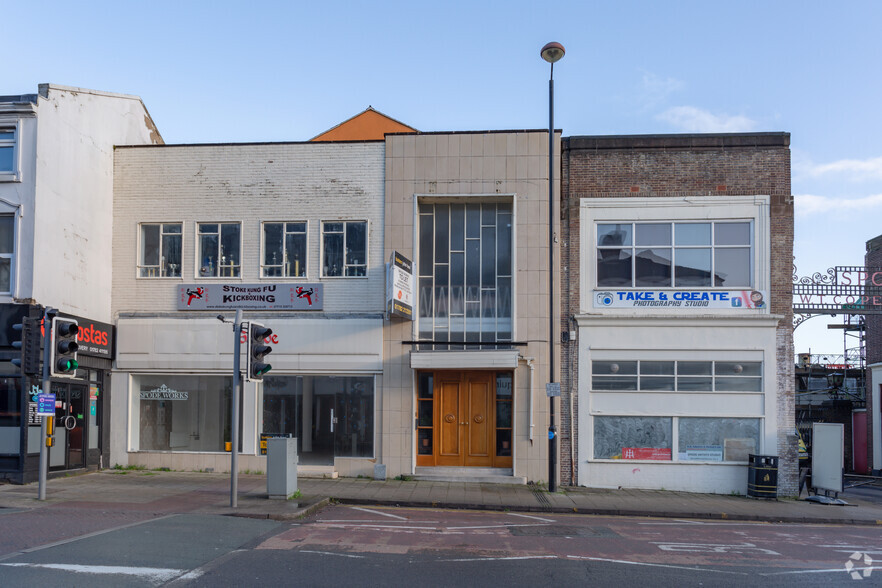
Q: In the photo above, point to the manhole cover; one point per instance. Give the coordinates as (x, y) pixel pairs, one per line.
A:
(562, 531)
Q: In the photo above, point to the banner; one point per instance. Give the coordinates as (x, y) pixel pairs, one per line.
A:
(250, 296)
(685, 299)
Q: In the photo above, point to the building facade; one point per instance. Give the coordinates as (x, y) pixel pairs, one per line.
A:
(677, 269)
(873, 259)
(56, 207)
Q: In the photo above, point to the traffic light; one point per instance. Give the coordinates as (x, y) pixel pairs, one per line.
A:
(63, 358)
(29, 362)
(256, 367)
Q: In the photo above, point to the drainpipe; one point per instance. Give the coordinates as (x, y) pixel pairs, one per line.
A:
(529, 361)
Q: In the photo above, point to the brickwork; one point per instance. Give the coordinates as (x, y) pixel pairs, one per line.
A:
(873, 341)
(682, 166)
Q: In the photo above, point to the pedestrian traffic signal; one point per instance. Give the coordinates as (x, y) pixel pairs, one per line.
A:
(256, 368)
(29, 362)
(63, 358)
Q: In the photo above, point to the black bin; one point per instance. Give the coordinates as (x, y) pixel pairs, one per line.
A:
(762, 476)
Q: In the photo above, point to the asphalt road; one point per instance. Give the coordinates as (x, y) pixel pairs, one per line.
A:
(365, 546)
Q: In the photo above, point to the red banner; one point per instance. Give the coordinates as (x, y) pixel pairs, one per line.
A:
(659, 454)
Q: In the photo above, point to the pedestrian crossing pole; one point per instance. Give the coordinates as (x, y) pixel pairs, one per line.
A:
(234, 425)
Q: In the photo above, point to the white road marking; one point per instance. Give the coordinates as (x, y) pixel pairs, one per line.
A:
(655, 565)
(332, 553)
(873, 550)
(504, 558)
(156, 575)
(504, 526)
(377, 512)
(514, 514)
(830, 571)
(712, 547)
(373, 526)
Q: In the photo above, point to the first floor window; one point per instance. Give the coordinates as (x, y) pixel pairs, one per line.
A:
(160, 250)
(182, 413)
(345, 248)
(677, 376)
(675, 254)
(7, 251)
(284, 250)
(219, 250)
(7, 150)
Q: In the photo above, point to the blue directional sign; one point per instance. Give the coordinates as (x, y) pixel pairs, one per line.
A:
(46, 404)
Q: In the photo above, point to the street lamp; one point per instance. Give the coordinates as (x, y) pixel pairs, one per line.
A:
(552, 53)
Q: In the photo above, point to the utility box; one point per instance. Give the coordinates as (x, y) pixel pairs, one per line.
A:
(762, 476)
(281, 467)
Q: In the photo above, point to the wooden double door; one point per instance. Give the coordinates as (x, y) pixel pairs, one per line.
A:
(463, 420)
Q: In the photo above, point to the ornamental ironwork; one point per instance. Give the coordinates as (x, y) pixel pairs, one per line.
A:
(843, 289)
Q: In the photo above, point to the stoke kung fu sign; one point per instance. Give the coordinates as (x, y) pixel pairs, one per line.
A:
(844, 289)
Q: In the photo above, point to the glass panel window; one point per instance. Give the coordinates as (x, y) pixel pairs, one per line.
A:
(344, 246)
(7, 251)
(717, 439)
(160, 250)
(182, 413)
(7, 150)
(284, 250)
(219, 250)
(465, 274)
(662, 255)
(681, 376)
(638, 438)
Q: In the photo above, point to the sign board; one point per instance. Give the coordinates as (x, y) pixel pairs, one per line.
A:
(399, 286)
(653, 453)
(828, 450)
(233, 296)
(703, 453)
(33, 416)
(46, 404)
(843, 289)
(687, 300)
(552, 389)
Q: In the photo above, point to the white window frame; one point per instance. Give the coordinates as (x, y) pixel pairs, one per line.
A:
(367, 240)
(13, 175)
(158, 273)
(596, 211)
(198, 251)
(12, 254)
(283, 264)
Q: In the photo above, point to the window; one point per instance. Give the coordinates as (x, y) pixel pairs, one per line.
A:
(675, 254)
(679, 376)
(465, 273)
(7, 151)
(160, 250)
(284, 250)
(717, 439)
(345, 249)
(219, 250)
(625, 437)
(7, 251)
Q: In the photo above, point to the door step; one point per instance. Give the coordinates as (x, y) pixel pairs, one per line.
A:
(315, 471)
(472, 475)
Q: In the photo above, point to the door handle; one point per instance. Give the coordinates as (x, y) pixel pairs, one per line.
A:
(465, 423)
(333, 420)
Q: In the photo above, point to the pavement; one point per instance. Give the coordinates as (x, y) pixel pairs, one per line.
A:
(163, 493)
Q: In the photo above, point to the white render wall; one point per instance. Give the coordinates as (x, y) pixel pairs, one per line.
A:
(247, 183)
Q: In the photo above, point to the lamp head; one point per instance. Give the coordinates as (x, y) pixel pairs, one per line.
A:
(552, 52)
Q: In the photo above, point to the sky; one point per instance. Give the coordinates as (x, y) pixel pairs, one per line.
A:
(225, 71)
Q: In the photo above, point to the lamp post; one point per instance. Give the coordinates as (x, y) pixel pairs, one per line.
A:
(552, 53)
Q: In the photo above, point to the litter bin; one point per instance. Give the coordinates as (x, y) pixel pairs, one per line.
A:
(762, 476)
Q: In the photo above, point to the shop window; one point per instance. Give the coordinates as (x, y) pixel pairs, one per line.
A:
(7, 252)
(425, 414)
(331, 416)
(182, 413)
(11, 401)
(626, 437)
(716, 254)
(679, 376)
(219, 250)
(284, 250)
(160, 250)
(504, 407)
(465, 274)
(344, 249)
(717, 439)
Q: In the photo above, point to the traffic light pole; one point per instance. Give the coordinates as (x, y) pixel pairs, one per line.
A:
(234, 446)
(44, 449)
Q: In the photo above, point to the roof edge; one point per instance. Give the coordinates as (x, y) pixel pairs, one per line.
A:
(679, 141)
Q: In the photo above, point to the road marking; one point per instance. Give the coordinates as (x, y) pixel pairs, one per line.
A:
(156, 575)
(712, 547)
(640, 563)
(372, 526)
(503, 526)
(838, 570)
(332, 553)
(503, 558)
(514, 514)
(377, 512)
(852, 548)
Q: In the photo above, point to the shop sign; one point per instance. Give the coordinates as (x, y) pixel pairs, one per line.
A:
(399, 286)
(235, 296)
(33, 415)
(164, 393)
(46, 404)
(656, 453)
(703, 453)
(684, 299)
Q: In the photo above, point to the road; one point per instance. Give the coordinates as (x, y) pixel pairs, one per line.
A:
(372, 546)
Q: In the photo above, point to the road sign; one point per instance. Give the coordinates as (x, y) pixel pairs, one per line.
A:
(46, 404)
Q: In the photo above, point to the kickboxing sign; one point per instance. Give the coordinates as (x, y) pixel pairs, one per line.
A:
(235, 296)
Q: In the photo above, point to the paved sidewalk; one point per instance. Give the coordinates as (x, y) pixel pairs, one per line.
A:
(176, 492)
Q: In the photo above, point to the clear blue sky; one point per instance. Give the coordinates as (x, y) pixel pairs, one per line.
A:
(286, 71)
